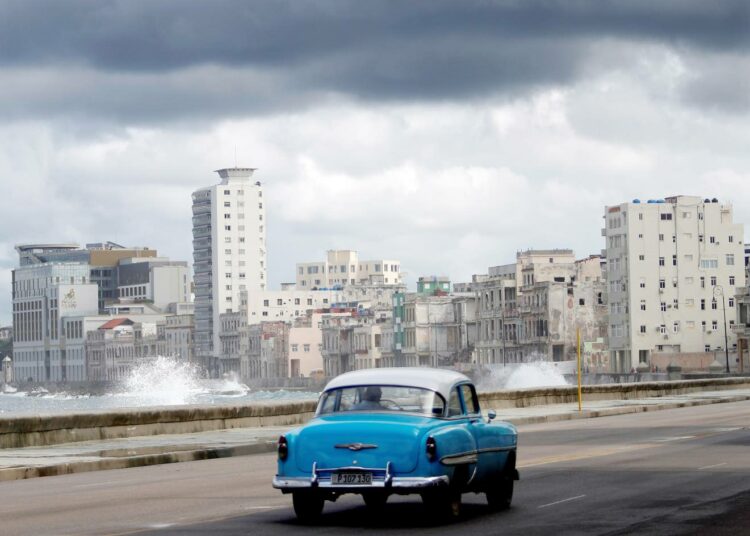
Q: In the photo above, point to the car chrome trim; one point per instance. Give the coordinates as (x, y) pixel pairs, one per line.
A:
(355, 446)
(396, 482)
(471, 456)
(459, 459)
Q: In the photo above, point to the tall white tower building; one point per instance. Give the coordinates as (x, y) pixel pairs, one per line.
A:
(229, 253)
(673, 265)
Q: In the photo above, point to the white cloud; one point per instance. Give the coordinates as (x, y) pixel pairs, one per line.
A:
(448, 188)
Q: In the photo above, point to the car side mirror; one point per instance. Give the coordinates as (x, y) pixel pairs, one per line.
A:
(491, 415)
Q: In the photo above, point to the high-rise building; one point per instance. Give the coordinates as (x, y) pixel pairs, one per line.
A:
(229, 253)
(673, 265)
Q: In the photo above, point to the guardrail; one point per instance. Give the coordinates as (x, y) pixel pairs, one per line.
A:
(42, 430)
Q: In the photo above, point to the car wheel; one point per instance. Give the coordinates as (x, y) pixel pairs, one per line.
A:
(500, 495)
(445, 504)
(308, 505)
(375, 501)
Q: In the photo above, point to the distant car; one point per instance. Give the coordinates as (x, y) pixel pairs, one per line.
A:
(379, 432)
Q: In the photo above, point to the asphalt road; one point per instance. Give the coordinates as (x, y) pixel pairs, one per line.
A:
(683, 471)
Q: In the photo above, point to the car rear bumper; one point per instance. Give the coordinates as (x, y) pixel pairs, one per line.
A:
(403, 483)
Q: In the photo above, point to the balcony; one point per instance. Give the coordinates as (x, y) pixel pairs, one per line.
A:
(203, 231)
(201, 219)
(202, 208)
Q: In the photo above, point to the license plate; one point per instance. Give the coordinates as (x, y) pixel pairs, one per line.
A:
(351, 479)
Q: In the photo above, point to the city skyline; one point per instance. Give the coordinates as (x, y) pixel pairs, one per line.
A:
(447, 137)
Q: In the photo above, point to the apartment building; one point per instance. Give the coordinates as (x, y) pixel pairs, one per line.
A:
(673, 265)
(433, 328)
(343, 268)
(119, 345)
(229, 253)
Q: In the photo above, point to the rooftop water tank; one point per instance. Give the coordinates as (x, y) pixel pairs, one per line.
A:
(714, 200)
(651, 201)
(707, 200)
(636, 201)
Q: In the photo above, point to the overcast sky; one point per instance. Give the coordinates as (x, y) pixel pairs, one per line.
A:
(448, 135)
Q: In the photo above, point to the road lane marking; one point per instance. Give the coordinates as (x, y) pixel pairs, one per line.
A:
(711, 466)
(562, 501)
(678, 438)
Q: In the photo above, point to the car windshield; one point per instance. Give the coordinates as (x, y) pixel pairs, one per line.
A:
(381, 398)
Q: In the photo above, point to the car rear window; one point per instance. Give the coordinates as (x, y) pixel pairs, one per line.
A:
(381, 398)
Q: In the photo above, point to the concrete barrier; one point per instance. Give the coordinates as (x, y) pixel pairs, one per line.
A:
(41, 430)
(523, 398)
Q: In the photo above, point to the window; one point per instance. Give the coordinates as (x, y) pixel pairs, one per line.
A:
(643, 283)
(674, 260)
(227, 192)
(663, 329)
(227, 252)
(676, 327)
(730, 259)
(714, 305)
(709, 263)
(242, 239)
(309, 301)
(643, 305)
(731, 239)
(703, 304)
(641, 257)
(713, 280)
(227, 227)
(227, 216)
(306, 347)
(265, 303)
(279, 301)
(661, 261)
(227, 204)
(707, 348)
(296, 301)
(581, 301)
(714, 324)
(712, 239)
(666, 216)
(643, 329)
(454, 404)
(731, 280)
(470, 399)
(295, 348)
(640, 215)
(228, 274)
(730, 302)
(703, 282)
(663, 306)
(662, 283)
(242, 275)
(661, 237)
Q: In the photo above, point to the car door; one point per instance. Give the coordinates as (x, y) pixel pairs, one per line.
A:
(463, 446)
(489, 458)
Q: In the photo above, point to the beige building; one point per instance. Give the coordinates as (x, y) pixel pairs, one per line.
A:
(672, 265)
(435, 330)
(342, 268)
(533, 308)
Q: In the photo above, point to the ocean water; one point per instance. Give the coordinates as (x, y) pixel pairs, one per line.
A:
(161, 382)
(165, 382)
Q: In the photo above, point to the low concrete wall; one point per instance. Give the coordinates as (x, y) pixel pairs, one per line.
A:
(41, 430)
(622, 391)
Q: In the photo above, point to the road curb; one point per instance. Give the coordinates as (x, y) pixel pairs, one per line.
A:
(265, 446)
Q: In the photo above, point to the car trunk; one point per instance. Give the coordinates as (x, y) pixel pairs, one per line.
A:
(396, 440)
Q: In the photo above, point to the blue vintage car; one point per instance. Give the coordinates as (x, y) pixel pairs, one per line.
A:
(379, 432)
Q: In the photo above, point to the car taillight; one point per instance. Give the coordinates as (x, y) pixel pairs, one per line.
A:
(282, 448)
(431, 449)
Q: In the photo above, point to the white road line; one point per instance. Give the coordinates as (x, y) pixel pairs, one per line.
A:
(667, 439)
(710, 466)
(261, 507)
(562, 501)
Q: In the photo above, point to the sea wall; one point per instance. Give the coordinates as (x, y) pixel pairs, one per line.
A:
(41, 430)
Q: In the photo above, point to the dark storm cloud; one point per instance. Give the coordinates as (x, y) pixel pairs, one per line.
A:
(148, 55)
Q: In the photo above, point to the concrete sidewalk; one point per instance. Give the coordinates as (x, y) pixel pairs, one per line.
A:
(84, 456)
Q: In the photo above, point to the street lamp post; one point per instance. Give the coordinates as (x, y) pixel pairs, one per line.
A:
(719, 290)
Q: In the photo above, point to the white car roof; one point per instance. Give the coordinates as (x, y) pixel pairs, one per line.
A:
(439, 380)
